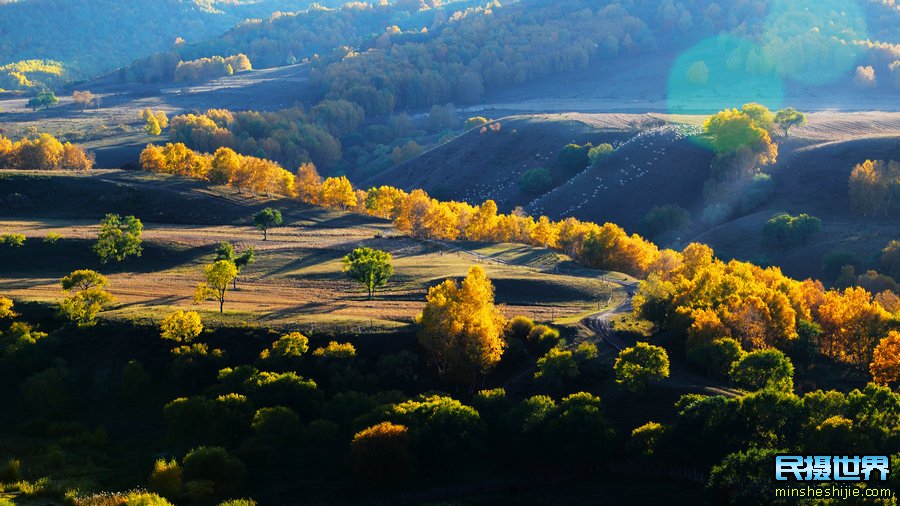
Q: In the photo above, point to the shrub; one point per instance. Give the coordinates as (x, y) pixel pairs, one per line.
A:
(277, 423)
(336, 350)
(598, 154)
(535, 181)
(543, 337)
(640, 364)
(716, 356)
(13, 240)
(381, 452)
(52, 238)
(238, 502)
(786, 230)
(181, 326)
(213, 464)
(134, 380)
(764, 370)
(11, 472)
(46, 392)
(556, 367)
(665, 219)
(645, 439)
(519, 327)
(165, 479)
(288, 346)
(574, 158)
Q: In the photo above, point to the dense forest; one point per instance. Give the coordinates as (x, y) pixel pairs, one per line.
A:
(88, 38)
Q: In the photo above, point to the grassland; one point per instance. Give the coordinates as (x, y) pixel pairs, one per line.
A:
(297, 280)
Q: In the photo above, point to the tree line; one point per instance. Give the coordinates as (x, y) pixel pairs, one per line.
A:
(43, 152)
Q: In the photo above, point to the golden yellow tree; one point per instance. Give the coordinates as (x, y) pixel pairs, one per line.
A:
(308, 184)
(461, 328)
(885, 366)
(337, 192)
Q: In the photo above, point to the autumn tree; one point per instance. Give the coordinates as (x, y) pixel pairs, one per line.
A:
(885, 366)
(851, 320)
(182, 327)
(873, 188)
(219, 276)
(119, 238)
(337, 193)
(372, 268)
(308, 184)
(84, 98)
(640, 364)
(152, 126)
(6, 308)
(461, 329)
(86, 296)
(266, 219)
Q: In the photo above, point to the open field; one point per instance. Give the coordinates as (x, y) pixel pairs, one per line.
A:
(297, 278)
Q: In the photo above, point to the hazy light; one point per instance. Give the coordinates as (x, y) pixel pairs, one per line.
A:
(811, 41)
(714, 75)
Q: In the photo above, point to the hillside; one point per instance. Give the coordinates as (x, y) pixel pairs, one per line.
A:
(661, 166)
(297, 276)
(90, 37)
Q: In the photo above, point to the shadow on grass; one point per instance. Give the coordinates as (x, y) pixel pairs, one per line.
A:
(37, 258)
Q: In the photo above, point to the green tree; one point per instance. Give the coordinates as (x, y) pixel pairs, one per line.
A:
(597, 154)
(788, 118)
(119, 238)
(370, 267)
(640, 364)
(87, 296)
(537, 180)
(266, 219)
(45, 99)
(226, 251)
(764, 370)
(218, 276)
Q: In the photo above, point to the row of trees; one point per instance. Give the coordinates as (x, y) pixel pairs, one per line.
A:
(43, 152)
(607, 246)
(204, 69)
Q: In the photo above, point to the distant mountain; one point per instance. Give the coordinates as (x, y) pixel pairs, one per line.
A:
(89, 37)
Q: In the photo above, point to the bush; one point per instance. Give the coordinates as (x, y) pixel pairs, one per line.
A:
(785, 230)
(543, 338)
(46, 392)
(716, 356)
(213, 464)
(13, 240)
(11, 472)
(336, 350)
(181, 327)
(238, 502)
(519, 328)
(535, 181)
(165, 479)
(638, 365)
(764, 370)
(134, 380)
(288, 346)
(381, 453)
(835, 261)
(574, 158)
(278, 424)
(598, 154)
(52, 238)
(665, 219)
(556, 367)
(645, 439)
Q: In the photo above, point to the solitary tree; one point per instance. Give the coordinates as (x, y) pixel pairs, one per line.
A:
(226, 251)
(87, 296)
(461, 329)
(788, 118)
(637, 366)
(370, 267)
(119, 238)
(45, 99)
(218, 276)
(84, 98)
(266, 219)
